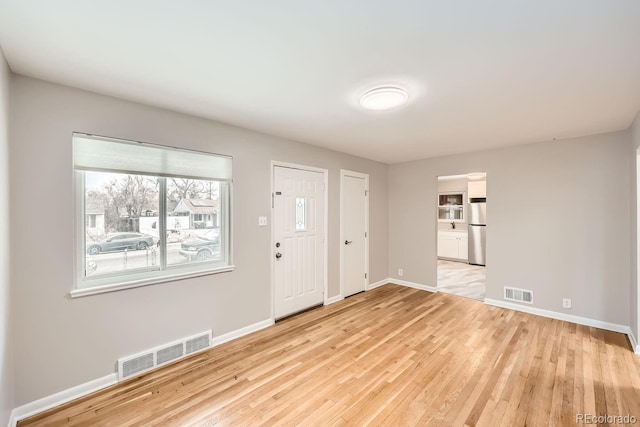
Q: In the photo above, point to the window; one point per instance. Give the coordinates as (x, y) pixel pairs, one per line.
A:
(301, 210)
(148, 214)
(451, 207)
(91, 220)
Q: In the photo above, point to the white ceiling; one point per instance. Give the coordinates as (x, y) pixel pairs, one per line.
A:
(480, 74)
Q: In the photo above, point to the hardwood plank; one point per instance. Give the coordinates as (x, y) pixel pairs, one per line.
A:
(390, 356)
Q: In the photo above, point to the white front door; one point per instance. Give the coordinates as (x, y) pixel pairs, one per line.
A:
(298, 231)
(354, 232)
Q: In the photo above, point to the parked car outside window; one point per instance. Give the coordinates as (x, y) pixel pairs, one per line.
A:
(119, 242)
(201, 248)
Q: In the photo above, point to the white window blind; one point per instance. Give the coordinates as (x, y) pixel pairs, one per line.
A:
(96, 153)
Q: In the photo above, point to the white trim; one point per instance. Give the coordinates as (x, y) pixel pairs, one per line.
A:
(62, 397)
(560, 316)
(637, 284)
(413, 285)
(325, 183)
(623, 329)
(83, 292)
(134, 278)
(79, 219)
(333, 299)
(57, 399)
(634, 342)
(343, 174)
(377, 284)
(229, 336)
(297, 166)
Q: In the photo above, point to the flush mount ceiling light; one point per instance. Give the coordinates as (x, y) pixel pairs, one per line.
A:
(384, 98)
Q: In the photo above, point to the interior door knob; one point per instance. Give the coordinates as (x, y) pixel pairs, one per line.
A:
(348, 242)
(278, 255)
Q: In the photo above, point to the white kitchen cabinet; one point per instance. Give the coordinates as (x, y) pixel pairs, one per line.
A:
(447, 245)
(453, 245)
(477, 189)
(463, 247)
(451, 207)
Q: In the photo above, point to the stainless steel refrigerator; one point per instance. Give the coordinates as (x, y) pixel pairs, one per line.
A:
(477, 230)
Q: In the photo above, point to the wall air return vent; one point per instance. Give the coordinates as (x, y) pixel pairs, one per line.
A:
(137, 364)
(519, 295)
(145, 361)
(168, 354)
(197, 343)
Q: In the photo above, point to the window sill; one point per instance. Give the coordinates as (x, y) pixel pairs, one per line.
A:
(83, 292)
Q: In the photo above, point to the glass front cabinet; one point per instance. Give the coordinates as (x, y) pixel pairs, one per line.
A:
(451, 207)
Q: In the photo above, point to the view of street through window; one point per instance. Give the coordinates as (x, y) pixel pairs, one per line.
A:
(122, 224)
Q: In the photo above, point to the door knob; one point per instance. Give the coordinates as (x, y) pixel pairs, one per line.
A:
(278, 255)
(348, 242)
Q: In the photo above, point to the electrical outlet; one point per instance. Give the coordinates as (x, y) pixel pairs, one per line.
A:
(566, 303)
(400, 272)
(262, 221)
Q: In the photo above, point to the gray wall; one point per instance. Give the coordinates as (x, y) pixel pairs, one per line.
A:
(62, 342)
(634, 300)
(562, 214)
(6, 333)
(558, 214)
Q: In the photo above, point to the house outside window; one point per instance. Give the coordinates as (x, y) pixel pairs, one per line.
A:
(148, 214)
(94, 212)
(202, 212)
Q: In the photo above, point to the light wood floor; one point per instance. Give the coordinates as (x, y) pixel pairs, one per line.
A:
(393, 356)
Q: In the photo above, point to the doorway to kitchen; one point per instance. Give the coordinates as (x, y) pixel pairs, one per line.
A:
(461, 222)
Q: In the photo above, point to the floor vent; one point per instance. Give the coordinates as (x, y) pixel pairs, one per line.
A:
(147, 360)
(520, 295)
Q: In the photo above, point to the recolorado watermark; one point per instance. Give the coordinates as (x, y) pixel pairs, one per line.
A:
(605, 419)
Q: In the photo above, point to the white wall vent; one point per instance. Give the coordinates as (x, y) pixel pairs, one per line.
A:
(137, 364)
(170, 353)
(197, 344)
(520, 295)
(140, 363)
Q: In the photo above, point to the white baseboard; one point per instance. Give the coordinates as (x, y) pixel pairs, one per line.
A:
(634, 342)
(333, 299)
(615, 327)
(369, 287)
(378, 284)
(81, 390)
(413, 285)
(57, 399)
(229, 336)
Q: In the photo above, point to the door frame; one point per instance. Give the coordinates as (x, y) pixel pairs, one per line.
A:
(343, 173)
(325, 252)
(637, 260)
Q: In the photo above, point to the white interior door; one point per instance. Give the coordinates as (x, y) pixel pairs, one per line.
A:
(354, 232)
(298, 231)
